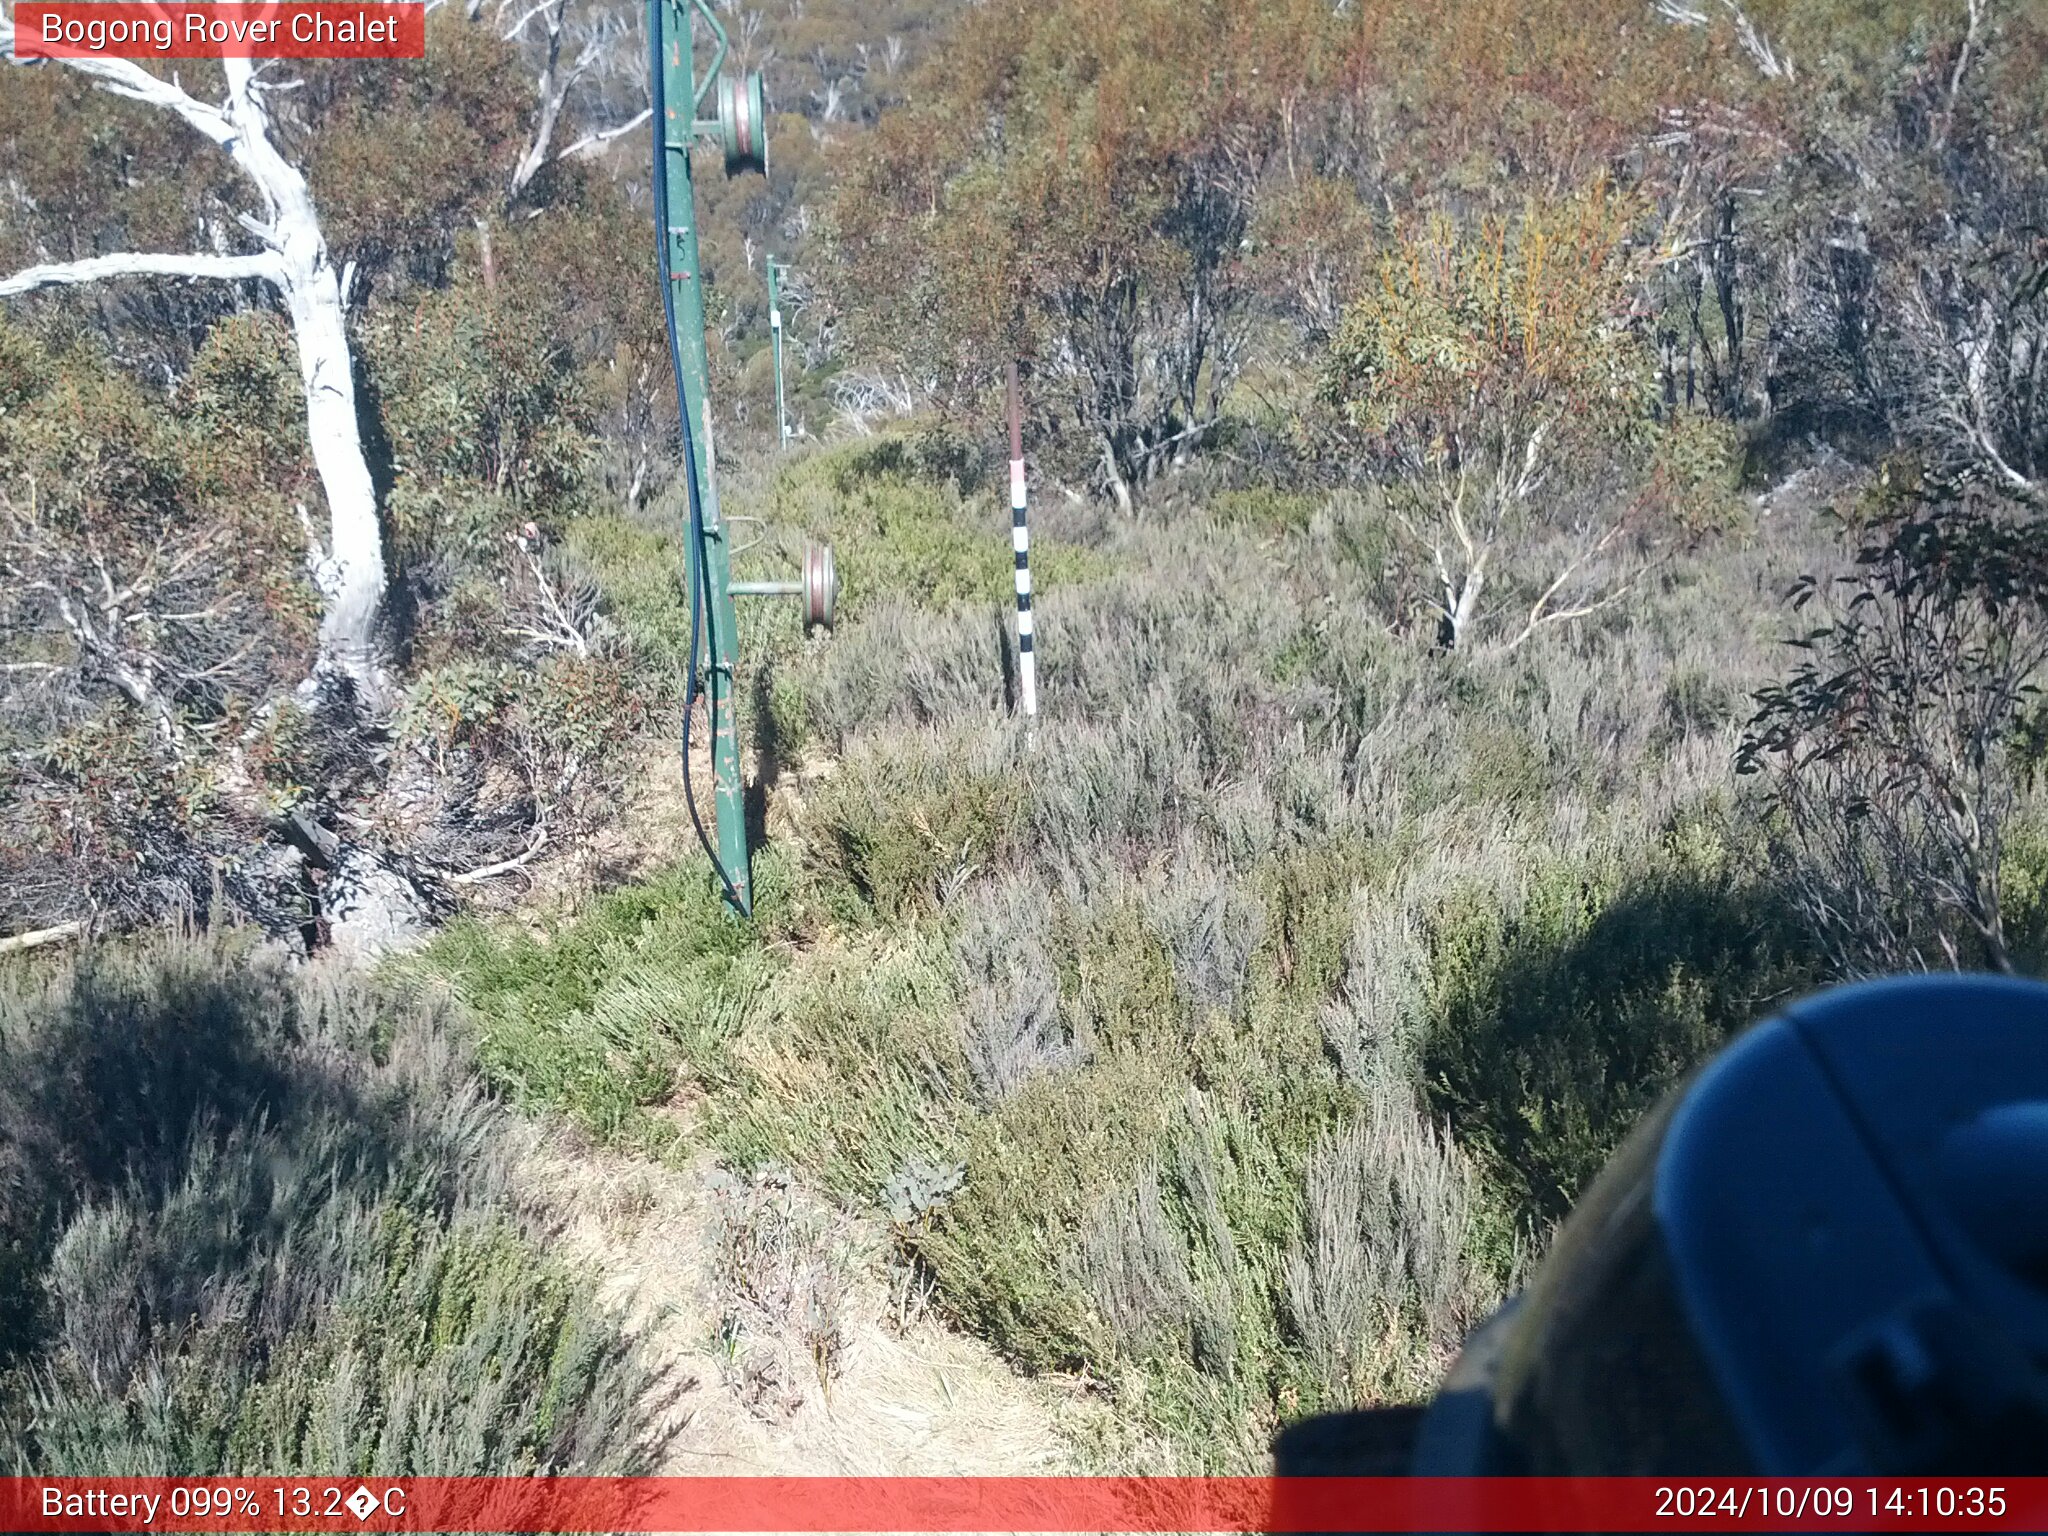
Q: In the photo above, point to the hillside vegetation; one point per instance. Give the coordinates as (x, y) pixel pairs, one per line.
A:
(253, 1222)
(1439, 420)
(1232, 1039)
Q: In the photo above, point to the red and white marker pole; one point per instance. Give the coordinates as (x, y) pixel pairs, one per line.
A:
(1020, 541)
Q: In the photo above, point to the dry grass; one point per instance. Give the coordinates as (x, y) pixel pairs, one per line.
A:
(1274, 996)
(1378, 1283)
(232, 1196)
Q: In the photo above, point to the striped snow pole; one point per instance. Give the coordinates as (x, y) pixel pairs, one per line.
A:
(1020, 541)
(775, 332)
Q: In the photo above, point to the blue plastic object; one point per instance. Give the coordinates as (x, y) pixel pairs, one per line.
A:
(1825, 1254)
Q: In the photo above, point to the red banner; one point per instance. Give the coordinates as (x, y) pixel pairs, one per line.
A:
(260, 29)
(957, 1504)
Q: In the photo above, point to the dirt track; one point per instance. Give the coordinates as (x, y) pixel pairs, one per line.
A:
(902, 1394)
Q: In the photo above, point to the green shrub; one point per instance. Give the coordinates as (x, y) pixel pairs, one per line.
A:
(904, 533)
(1499, 765)
(247, 407)
(2023, 887)
(1265, 510)
(256, 1224)
(645, 579)
(1033, 1170)
(1561, 1014)
(95, 442)
(933, 452)
(1380, 1288)
(470, 387)
(1310, 891)
(1130, 1216)
(905, 826)
(24, 366)
(849, 1067)
(443, 530)
(1696, 701)
(101, 819)
(611, 1013)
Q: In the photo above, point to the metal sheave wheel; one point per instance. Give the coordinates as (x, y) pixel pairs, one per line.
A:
(743, 122)
(821, 586)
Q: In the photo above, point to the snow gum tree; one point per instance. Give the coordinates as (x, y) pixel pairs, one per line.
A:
(291, 257)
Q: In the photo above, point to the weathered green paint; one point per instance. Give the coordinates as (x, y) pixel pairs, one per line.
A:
(743, 123)
(775, 335)
(714, 555)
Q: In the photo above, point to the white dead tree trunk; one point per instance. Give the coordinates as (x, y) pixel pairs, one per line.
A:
(552, 91)
(606, 52)
(295, 261)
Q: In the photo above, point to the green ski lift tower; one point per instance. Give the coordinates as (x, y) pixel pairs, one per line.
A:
(775, 271)
(739, 129)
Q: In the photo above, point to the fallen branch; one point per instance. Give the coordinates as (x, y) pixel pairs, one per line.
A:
(504, 866)
(62, 933)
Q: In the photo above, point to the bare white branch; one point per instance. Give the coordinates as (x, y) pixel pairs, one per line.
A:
(594, 143)
(519, 26)
(1771, 63)
(534, 845)
(14, 943)
(1978, 9)
(124, 77)
(93, 269)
